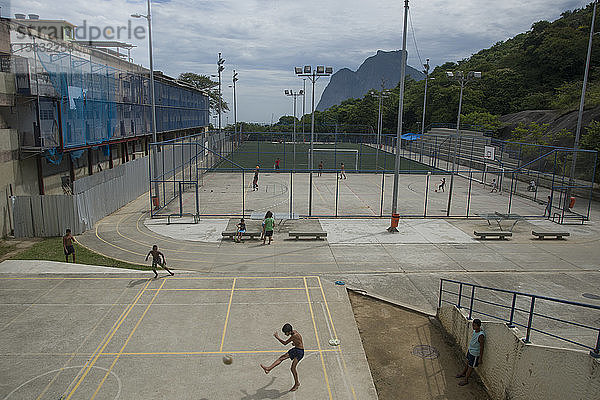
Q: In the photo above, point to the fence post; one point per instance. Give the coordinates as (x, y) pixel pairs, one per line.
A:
(596, 352)
(459, 294)
(512, 311)
(440, 298)
(471, 305)
(337, 186)
(529, 323)
(382, 185)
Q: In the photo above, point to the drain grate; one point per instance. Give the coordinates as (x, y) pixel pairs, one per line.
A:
(591, 296)
(425, 351)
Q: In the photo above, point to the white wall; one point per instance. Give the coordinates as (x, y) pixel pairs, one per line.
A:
(514, 370)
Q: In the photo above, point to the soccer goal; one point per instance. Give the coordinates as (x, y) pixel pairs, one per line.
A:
(332, 158)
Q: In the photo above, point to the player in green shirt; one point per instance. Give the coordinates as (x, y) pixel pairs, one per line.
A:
(269, 225)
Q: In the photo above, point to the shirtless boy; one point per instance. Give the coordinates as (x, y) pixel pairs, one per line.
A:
(295, 353)
(68, 245)
(156, 260)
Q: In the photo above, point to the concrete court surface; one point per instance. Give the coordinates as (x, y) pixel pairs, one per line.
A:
(404, 271)
(109, 336)
(358, 195)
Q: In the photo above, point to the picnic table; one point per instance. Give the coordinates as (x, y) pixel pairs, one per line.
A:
(499, 217)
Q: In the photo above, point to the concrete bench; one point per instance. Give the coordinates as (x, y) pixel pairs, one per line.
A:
(558, 235)
(233, 234)
(499, 234)
(317, 235)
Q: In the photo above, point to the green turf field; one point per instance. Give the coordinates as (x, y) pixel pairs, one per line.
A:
(264, 154)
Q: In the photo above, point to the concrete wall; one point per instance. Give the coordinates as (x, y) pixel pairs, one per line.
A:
(514, 370)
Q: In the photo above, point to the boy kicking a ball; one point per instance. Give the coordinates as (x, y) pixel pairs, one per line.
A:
(295, 353)
(156, 256)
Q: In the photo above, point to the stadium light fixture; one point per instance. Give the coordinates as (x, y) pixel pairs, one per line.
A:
(313, 74)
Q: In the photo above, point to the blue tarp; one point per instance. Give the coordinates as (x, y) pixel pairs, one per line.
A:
(411, 136)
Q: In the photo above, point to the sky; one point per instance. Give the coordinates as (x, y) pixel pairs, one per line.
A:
(263, 40)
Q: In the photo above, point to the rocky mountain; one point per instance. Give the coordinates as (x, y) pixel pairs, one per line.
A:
(345, 83)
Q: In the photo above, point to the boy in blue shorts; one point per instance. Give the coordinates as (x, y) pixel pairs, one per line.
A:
(474, 353)
(241, 230)
(295, 353)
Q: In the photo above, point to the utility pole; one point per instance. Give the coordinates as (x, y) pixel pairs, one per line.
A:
(235, 79)
(394, 222)
(580, 114)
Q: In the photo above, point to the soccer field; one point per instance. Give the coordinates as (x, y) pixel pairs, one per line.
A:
(364, 158)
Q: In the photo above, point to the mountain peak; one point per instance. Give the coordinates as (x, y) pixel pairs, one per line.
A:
(345, 83)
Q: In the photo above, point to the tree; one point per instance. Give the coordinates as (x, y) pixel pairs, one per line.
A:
(203, 82)
(484, 120)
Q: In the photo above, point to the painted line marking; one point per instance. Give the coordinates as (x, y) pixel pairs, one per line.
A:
(312, 315)
(227, 316)
(127, 341)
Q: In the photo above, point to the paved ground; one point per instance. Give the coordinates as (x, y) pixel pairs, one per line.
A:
(404, 268)
(108, 336)
(358, 195)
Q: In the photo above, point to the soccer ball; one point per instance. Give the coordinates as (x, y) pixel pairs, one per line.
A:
(436, 190)
(227, 360)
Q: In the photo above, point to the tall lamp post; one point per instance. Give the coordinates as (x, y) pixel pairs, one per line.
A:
(580, 113)
(235, 79)
(394, 222)
(220, 68)
(313, 74)
(427, 78)
(462, 79)
(295, 96)
(153, 154)
(383, 94)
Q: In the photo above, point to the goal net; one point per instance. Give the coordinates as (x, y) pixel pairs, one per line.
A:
(332, 158)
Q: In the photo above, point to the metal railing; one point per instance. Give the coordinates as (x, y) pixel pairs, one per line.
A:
(467, 292)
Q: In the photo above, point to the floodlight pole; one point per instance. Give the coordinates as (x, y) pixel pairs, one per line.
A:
(303, 104)
(581, 105)
(153, 151)
(295, 95)
(462, 79)
(235, 79)
(313, 77)
(393, 228)
(426, 71)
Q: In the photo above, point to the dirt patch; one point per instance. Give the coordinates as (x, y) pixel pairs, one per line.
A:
(12, 247)
(390, 334)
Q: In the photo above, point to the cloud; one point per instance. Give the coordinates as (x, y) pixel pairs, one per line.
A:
(264, 39)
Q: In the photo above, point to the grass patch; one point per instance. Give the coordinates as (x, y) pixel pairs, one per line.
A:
(6, 248)
(51, 249)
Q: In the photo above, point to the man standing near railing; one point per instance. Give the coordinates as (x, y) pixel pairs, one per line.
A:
(474, 353)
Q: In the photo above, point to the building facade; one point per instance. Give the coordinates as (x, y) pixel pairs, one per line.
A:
(68, 110)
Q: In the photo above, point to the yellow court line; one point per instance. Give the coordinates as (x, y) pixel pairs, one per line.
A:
(80, 346)
(127, 341)
(171, 278)
(238, 289)
(312, 315)
(195, 353)
(112, 332)
(227, 316)
(335, 334)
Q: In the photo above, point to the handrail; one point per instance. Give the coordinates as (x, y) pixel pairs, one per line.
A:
(531, 313)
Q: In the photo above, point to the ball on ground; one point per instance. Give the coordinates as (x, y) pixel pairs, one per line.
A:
(227, 360)
(436, 190)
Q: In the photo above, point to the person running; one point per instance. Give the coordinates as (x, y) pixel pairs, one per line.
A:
(342, 171)
(320, 168)
(156, 256)
(269, 225)
(295, 353)
(277, 163)
(68, 245)
(532, 186)
(442, 184)
(474, 353)
(255, 180)
(241, 229)
(494, 186)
